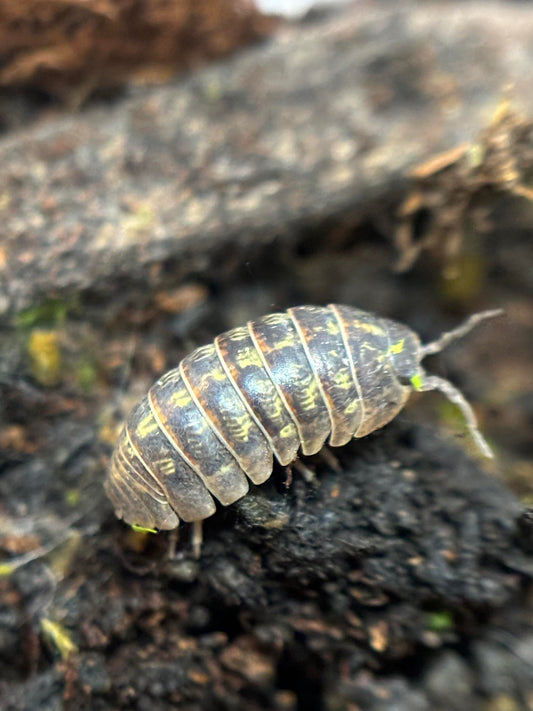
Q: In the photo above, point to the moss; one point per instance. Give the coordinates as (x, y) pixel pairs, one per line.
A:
(72, 497)
(441, 621)
(45, 357)
(49, 313)
(464, 279)
(86, 375)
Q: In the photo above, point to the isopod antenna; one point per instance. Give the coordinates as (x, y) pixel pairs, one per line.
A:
(456, 333)
(434, 382)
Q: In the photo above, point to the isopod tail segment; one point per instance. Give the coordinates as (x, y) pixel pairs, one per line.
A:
(421, 381)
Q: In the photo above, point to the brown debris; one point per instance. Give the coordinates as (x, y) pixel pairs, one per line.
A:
(452, 185)
(19, 544)
(69, 48)
(16, 438)
(184, 297)
(379, 636)
(244, 658)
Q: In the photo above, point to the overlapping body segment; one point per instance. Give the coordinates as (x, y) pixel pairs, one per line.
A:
(206, 380)
(244, 366)
(185, 490)
(326, 348)
(382, 395)
(132, 497)
(286, 362)
(191, 433)
(284, 382)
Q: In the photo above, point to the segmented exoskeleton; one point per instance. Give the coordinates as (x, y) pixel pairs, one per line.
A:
(283, 383)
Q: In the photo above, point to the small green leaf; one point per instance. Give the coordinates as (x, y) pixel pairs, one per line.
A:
(440, 621)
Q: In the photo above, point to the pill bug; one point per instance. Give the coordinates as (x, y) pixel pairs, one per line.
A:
(282, 383)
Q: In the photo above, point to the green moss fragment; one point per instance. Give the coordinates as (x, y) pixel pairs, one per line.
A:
(440, 621)
(86, 375)
(72, 497)
(51, 312)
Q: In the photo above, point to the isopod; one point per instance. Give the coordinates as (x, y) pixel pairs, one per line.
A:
(282, 383)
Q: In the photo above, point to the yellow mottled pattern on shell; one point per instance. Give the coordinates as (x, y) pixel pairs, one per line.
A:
(287, 364)
(134, 491)
(382, 396)
(185, 490)
(223, 407)
(187, 428)
(244, 366)
(322, 336)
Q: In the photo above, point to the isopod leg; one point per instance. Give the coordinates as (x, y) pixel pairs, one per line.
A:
(330, 459)
(173, 539)
(197, 538)
(308, 474)
(288, 476)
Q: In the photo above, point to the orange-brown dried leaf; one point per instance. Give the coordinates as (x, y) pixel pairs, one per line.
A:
(181, 299)
(71, 47)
